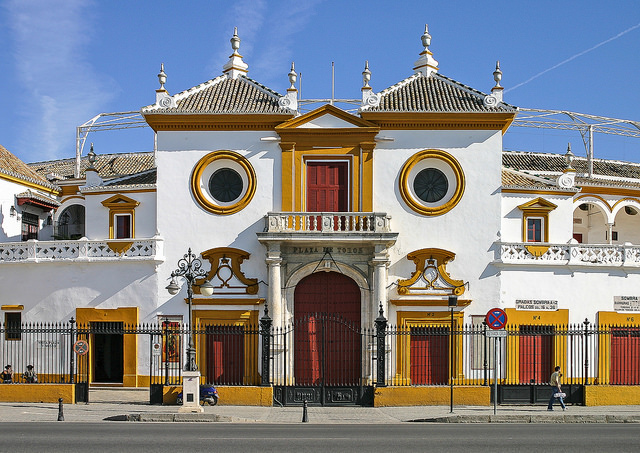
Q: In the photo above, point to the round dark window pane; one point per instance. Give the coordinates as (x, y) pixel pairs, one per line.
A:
(430, 185)
(225, 185)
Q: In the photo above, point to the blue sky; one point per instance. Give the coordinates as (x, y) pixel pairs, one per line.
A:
(64, 61)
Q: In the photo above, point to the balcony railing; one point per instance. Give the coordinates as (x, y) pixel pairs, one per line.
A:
(569, 254)
(81, 250)
(328, 222)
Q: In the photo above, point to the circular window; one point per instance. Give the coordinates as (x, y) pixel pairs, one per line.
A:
(430, 185)
(431, 182)
(225, 185)
(223, 182)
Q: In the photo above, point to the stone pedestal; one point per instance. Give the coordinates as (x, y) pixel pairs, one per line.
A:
(191, 392)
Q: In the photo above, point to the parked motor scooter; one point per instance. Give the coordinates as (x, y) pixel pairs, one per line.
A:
(208, 394)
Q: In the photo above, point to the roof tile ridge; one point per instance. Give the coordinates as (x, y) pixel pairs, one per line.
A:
(260, 86)
(524, 174)
(196, 89)
(41, 182)
(469, 89)
(399, 85)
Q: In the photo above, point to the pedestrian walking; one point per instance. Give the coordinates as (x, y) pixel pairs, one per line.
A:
(556, 389)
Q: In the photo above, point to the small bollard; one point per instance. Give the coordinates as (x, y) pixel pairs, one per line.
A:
(60, 413)
(305, 418)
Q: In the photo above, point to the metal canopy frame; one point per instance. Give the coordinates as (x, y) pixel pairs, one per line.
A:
(583, 123)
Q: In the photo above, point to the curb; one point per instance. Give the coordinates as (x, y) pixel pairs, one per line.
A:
(160, 417)
(541, 419)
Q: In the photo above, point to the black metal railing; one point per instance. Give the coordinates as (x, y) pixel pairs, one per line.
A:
(324, 350)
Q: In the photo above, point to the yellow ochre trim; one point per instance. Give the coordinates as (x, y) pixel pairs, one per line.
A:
(405, 190)
(406, 320)
(237, 257)
(597, 197)
(420, 259)
(428, 302)
(214, 122)
(536, 208)
(31, 185)
(607, 319)
(12, 307)
(537, 250)
(440, 121)
(225, 301)
(204, 201)
(121, 204)
(518, 318)
(125, 315)
(120, 247)
(245, 318)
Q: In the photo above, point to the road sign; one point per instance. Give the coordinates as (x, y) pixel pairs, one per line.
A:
(496, 318)
(496, 333)
(81, 347)
(157, 349)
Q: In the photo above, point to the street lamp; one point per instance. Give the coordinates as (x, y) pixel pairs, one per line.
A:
(190, 268)
(453, 302)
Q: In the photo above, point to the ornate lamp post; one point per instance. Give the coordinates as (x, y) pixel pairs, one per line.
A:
(190, 268)
(453, 302)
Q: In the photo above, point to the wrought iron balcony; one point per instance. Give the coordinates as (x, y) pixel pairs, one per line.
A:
(34, 251)
(602, 255)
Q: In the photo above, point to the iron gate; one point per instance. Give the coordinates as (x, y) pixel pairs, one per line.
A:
(322, 359)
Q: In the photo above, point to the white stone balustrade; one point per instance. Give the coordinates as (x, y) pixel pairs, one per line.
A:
(604, 255)
(328, 222)
(82, 250)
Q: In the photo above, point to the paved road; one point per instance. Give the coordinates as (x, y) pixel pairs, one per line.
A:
(124, 436)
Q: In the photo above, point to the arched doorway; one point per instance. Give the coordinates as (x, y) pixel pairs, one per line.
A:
(327, 334)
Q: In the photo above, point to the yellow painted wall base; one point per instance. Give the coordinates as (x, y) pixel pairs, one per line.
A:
(431, 396)
(37, 393)
(611, 395)
(230, 396)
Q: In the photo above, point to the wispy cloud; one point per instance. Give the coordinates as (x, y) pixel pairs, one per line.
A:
(50, 45)
(267, 33)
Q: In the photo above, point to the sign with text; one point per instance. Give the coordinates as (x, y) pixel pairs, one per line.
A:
(626, 303)
(536, 304)
(496, 333)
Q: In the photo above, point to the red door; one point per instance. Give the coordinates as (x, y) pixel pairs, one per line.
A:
(625, 359)
(327, 330)
(536, 343)
(327, 190)
(429, 355)
(225, 355)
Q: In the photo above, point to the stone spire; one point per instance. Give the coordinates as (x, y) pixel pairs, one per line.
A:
(235, 66)
(426, 64)
(369, 98)
(497, 89)
(163, 98)
(290, 100)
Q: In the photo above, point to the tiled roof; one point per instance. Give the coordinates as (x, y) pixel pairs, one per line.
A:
(538, 163)
(517, 179)
(226, 95)
(42, 199)
(109, 166)
(12, 166)
(143, 178)
(435, 93)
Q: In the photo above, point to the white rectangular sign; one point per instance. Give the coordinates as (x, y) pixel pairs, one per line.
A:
(626, 303)
(536, 304)
(496, 333)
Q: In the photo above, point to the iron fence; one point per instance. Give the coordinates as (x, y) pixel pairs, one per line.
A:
(326, 351)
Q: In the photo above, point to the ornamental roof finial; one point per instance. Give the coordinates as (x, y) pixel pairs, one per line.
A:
(162, 77)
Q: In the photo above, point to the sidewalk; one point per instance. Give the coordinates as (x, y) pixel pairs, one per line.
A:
(105, 412)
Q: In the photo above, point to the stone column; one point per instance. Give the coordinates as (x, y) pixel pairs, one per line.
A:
(380, 262)
(274, 259)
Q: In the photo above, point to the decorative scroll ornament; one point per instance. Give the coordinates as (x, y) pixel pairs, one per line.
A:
(431, 277)
(226, 275)
(490, 101)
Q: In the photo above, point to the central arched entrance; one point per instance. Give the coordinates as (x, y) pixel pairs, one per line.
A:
(327, 339)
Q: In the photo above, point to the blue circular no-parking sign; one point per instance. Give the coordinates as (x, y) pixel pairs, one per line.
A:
(496, 318)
